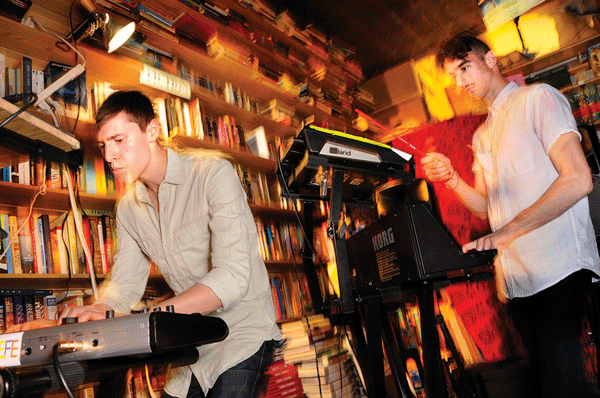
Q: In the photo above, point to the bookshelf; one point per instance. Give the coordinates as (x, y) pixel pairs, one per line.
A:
(566, 52)
(123, 70)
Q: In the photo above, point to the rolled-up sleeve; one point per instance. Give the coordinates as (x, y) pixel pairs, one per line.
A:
(230, 254)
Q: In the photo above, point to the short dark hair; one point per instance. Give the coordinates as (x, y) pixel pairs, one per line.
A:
(136, 106)
(459, 47)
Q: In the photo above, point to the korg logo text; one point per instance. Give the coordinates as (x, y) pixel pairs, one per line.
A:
(383, 239)
(337, 151)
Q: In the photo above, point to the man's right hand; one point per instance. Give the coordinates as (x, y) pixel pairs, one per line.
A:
(86, 313)
(437, 167)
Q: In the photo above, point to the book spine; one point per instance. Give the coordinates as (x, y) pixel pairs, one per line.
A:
(2, 322)
(27, 256)
(39, 309)
(3, 92)
(9, 311)
(100, 176)
(49, 253)
(43, 266)
(72, 247)
(15, 248)
(50, 306)
(87, 235)
(54, 243)
(26, 76)
(29, 302)
(35, 249)
(102, 247)
(19, 309)
(5, 246)
(108, 241)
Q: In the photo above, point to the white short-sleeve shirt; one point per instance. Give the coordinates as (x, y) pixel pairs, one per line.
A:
(513, 147)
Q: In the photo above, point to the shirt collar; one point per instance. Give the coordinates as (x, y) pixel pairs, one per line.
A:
(503, 96)
(172, 176)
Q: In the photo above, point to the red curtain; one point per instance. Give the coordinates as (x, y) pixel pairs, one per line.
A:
(475, 302)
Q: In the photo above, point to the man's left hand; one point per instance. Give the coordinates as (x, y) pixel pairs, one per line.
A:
(495, 240)
(31, 325)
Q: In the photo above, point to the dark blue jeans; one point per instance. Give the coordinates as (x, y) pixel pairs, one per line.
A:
(244, 380)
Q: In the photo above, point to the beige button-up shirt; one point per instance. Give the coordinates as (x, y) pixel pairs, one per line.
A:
(203, 232)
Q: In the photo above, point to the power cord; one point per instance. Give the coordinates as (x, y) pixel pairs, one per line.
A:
(59, 372)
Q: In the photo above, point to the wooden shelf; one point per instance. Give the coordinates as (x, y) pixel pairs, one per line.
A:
(566, 52)
(125, 72)
(245, 157)
(46, 281)
(568, 89)
(12, 194)
(283, 266)
(59, 281)
(34, 128)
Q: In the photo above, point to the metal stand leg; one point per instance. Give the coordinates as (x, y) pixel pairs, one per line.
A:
(434, 381)
(461, 368)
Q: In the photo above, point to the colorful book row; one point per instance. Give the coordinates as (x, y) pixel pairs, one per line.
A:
(291, 296)
(52, 247)
(279, 241)
(19, 306)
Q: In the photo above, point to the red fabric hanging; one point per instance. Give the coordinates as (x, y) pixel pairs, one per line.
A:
(474, 302)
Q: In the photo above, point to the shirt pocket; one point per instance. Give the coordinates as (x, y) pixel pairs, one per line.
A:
(150, 246)
(192, 240)
(515, 157)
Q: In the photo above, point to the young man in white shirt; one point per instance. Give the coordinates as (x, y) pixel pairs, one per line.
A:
(531, 183)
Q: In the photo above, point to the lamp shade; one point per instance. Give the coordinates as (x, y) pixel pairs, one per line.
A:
(116, 31)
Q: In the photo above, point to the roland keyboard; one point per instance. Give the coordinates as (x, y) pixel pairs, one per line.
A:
(132, 335)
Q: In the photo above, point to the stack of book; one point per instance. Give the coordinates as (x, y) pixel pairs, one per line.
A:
(324, 364)
(283, 381)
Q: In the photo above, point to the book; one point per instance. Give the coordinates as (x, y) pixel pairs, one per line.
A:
(97, 251)
(256, 141)
(15, 247)
(108, 241)
(26, 78)
(26, 246)
(89, 171)
(46, 240)
(50, 306)
(9, 310)
(161, 112)
(72, 247)
(2, 324)
(6, 266)
(54, 179)
(3, 92)
(196, 115)
(57, 252)
(41, 247)
(19, 309)
(35, 244)
(100, 176)
(11, 84)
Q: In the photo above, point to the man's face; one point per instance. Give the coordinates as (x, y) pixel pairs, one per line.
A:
(472, 74)
(125, 147)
